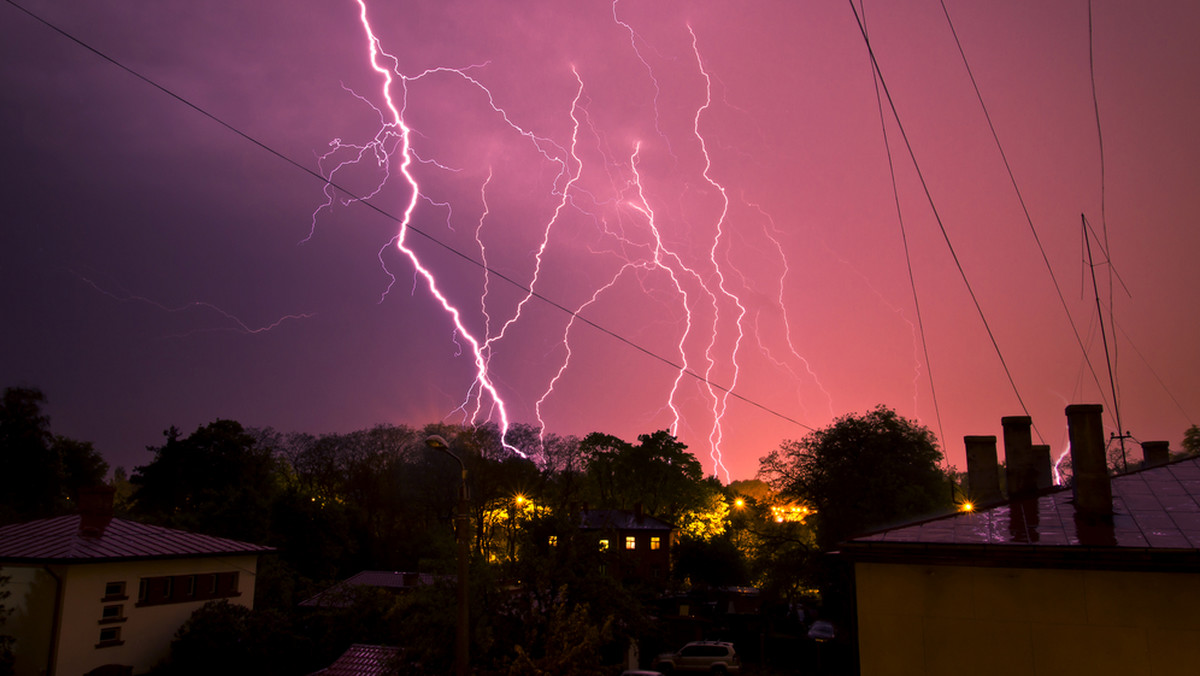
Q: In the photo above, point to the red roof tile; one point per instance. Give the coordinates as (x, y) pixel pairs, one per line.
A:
(59, 540)
(363, 660)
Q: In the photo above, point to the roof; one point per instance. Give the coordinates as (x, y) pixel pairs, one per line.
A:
(361, 659)
(339, 595)
(58, 540)
(619, 519)
(1156, 523)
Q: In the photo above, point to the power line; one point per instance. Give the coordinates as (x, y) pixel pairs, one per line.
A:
(380, 210)
(912, 281)
(937, 216)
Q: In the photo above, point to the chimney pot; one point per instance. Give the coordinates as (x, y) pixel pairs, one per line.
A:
(1021, 470)
(1092, 487)
(983, 474)
(1043, 466)
(95, 509)
(1155, 453)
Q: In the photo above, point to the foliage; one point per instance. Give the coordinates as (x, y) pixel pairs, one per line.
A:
(570, 647)
(710, 563)
(219, 480)
(658, 473)
(1191, 440)
(860, 473)
(39, 472)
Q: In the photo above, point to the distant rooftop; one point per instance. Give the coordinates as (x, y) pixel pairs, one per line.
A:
(1155, 522)
(59, 540)
(620, 519)
(340, 594)
(362, 660)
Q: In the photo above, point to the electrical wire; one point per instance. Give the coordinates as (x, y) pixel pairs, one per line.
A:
(936, 215)
(380, 210)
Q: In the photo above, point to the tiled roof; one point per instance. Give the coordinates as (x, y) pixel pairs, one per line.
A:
(619, 519)
(59, 540)
(1155, 511)
(363, 660)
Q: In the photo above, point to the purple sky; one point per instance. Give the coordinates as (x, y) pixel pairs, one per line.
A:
(145, 245)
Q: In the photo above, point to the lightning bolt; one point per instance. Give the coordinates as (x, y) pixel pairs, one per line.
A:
(635, 234)
(239, 325)
(395, 127)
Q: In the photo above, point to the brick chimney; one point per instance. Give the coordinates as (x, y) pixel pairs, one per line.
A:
(1155, 453)
(983, 473)
(95, 509)
(1043, 466)
(1021, 471)
(1093, 489)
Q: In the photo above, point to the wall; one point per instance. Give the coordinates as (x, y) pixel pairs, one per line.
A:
(974, 620)
(146, 631)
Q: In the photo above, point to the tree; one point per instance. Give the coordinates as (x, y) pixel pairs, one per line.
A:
(861, 472)
(1191, 440)
(39, 472)
(219, 481)
(658, 473)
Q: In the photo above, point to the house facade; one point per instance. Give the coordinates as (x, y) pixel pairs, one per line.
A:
(634, 545)
(91, 594)
(1103, 577)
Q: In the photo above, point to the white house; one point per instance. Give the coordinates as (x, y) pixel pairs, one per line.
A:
(95, 595)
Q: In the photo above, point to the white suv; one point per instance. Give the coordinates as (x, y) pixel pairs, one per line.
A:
(714, 657)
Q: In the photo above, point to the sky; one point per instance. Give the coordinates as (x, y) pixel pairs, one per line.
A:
(699, 216)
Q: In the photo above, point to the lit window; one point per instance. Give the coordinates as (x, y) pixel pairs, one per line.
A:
(604, 545)
(553, 540)
(630, 542)
(655, 542)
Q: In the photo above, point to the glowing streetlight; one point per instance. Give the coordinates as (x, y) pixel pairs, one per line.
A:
(462, 529)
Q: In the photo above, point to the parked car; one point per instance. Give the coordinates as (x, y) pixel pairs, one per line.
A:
(640, 672)
(821, 631)
(713, 657)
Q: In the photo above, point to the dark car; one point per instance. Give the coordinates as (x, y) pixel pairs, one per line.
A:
(713, 657)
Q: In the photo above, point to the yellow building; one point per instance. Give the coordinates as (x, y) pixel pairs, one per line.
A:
(1051, 583)
(91, 594)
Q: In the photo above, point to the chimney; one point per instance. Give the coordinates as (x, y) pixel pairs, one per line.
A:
(1155, 453)
(1021, 473)
(1093, 490)
(1042, 466)
(983, 474)
(95, 510)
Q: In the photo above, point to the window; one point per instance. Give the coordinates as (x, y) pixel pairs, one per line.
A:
(111, 614)
(655, 542)
(630, 542)
(114, 591)
(604, 545)
(154, 591)
(109, 636)
(553, 540)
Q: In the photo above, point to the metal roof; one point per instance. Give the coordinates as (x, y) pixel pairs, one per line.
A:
(1156, 514)
(58, 540)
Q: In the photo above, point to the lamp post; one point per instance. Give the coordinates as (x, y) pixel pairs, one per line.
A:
(462, 529)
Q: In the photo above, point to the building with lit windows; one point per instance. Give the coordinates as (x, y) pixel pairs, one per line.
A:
(636, 546)
(100, 596)
(1099, 578)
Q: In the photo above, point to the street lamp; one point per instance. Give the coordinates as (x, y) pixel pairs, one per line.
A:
(462, 529)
